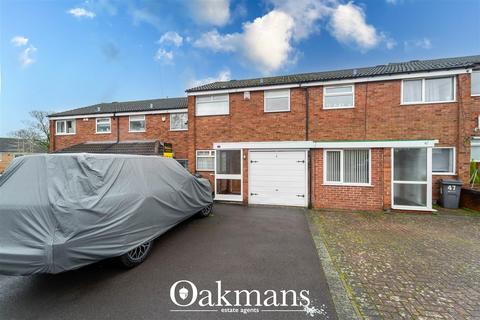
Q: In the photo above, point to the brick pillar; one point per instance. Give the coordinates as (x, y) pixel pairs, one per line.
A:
(51, 147)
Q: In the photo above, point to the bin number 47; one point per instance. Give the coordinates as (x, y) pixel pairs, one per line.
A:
(452, 188)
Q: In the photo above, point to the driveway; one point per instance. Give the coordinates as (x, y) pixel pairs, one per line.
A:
(245, 248)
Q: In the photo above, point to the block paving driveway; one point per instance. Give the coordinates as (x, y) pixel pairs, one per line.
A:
(406, 266)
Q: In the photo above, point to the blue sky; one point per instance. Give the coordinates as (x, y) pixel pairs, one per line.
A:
(57, 55)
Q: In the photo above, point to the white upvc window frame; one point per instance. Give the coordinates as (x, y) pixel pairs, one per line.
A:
(210, 155)
(212, 101)
(341, 182)
(454, 163)
(338, 94)
(74, 122)
(137, 116)
(181, 129)
(471, 77)
(454, 84)
(109, 125)
(223, 176)
(265, 98)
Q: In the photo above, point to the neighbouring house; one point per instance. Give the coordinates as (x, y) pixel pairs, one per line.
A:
(10, 148)
(367, 138)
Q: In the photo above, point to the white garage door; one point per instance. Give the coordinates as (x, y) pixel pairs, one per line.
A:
(278, 178)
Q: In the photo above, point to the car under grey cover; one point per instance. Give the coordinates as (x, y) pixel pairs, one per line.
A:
(61, 212)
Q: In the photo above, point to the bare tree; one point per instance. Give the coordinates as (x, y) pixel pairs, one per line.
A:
(37, 129)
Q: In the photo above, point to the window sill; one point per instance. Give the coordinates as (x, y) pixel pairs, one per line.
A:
(129, 131)
(338, 108)
(429, 102)
(103, 132)
(475, 95)
(178, 129)
(204, 170)
(347, 184)
(279, 111)
(444, 174)
(213, 115)
(64, 134)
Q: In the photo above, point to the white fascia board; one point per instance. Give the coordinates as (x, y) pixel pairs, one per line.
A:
(272, 87)
(99, 115)
(338, 82)
(375, 144)
(325, 144)
(264, 145)
(151, 112)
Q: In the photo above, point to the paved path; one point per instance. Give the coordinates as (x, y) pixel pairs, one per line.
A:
(245, 248)
(405, 266)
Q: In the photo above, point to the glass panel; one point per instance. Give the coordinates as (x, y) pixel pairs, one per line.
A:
(277, 93)
(276, 104)
(228, 162)
(410, 195)
(178, 121)
(412, 91)
(475, 153)
(183, 162)
(333, 166)
(410, 164)
(442, 160)
(475, 82)
(339, 101)
(71, 126)
(356, 166)
(60, 126)
(332, 90)
(439, 89)
(137, 125)
(211, 108)
(103, 125)
(229, 186)
(205, 163)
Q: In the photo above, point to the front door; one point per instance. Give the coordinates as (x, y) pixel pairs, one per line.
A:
(228, 175)
(412, 178)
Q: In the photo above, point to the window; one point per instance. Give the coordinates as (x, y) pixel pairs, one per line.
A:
(65, 127)
(351, 167)
(205, 160)
(136, 123)
(276, 100)
(178, 121)
(475, 83)
(443, 161)
(212, 105)
(183, 162)
(428, 90)
(338, 97)
(475, 150)
(103, 125)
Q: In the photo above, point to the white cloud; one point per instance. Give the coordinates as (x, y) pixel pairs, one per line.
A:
(217, 42)
(26, 56)
(164, 56)
(348, 25)
(145, 16)
(389, 42)
(267, 40)
(19, 41)
(392, 1)
(171, 37)
(223, 75)
(424, 43)
(81, 13)
(210, 12)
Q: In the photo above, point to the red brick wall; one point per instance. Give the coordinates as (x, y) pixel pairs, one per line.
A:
(156, 129)
(349, 197)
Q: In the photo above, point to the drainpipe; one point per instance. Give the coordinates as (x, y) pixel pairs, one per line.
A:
(118, 127)
(310, 166)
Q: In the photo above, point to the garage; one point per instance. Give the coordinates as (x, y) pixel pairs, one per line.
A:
(278, 177)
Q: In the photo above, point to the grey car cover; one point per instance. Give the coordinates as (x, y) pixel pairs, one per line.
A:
(61, 212)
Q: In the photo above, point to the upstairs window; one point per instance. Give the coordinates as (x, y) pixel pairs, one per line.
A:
(205, 160)
(103, 125)
(178, 121)
(443, 161)
(475, 83)
(428, 90)
(212, 105)
(65, 127)
(338, 97)
(276, 100)
(347, 167)
(136, 123)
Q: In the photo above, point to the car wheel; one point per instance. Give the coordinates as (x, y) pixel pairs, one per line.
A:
(205, 212)
(137, 255)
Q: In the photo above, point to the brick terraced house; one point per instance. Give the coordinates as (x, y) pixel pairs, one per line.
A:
(368, 138)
